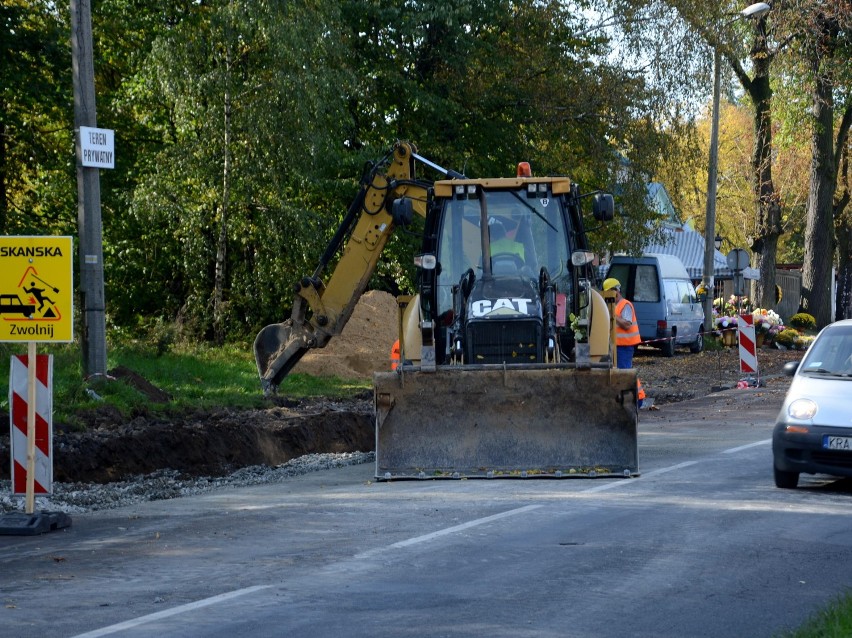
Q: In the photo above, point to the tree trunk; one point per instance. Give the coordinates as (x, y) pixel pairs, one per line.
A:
(4, 204)
(764, 241)
(819, 229)
(222, 240)
(844, 273)
(843, 234)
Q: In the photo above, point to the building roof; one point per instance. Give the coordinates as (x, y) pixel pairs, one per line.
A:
(688, 245)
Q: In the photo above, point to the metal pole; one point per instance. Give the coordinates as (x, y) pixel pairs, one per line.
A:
(32, 397)
(93, 338)
(710, 217)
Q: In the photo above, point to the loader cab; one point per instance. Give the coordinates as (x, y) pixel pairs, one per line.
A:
(494, 241)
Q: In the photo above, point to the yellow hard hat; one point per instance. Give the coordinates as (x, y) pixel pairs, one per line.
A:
(611, 283)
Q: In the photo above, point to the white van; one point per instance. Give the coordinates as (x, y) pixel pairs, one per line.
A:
(667, 308)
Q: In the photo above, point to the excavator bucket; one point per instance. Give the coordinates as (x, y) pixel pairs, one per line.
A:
(489, 422)
(277, 349)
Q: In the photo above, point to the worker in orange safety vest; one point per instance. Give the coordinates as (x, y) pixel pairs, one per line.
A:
(626, 328)
(394, 358)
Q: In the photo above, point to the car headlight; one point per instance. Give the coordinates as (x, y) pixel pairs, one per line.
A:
(802, 409)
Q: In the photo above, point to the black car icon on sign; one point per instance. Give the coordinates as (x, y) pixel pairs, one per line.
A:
(12, 305)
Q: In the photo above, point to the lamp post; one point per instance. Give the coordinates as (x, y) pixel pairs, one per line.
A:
(757, 10)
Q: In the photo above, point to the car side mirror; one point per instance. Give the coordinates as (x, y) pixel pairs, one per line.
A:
(790, 368)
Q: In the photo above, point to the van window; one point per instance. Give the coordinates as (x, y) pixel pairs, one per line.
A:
(622, 273)
(687, 292)
(672, 291)
(647, 288)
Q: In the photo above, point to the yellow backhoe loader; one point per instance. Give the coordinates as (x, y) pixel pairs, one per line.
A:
(506, 364)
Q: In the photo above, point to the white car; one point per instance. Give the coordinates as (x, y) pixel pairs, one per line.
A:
(813, 430)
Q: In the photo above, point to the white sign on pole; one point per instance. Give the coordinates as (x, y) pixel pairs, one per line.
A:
(97, 147)
(738, 259)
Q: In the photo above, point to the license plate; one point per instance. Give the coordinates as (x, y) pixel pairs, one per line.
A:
(838, 443)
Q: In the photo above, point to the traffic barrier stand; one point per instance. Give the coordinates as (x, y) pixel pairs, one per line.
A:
(31, 416)
(22, 524)
(748, 353)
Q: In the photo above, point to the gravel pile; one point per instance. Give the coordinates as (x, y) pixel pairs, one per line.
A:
(75, 498)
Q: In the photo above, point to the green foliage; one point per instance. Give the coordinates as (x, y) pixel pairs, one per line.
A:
(37, 187)
(713, 345)
(787, 338)
(194, 376)
(803, 321)
(833, 621)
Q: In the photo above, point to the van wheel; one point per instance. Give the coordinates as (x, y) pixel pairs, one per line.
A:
(698, 345)
(668, 347)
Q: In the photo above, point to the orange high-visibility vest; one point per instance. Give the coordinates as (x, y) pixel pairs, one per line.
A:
(641, 394)
(629, 337)
(394, 358)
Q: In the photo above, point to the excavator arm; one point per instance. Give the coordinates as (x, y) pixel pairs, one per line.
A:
(388, 197)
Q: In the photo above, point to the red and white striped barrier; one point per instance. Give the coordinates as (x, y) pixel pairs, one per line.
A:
(748, 344)
(18, 397)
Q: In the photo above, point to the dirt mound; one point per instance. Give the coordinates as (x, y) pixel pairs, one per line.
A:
(140, 383)
(364, 345)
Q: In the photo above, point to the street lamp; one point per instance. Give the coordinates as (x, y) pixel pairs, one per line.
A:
(756, 10)
(717, 241)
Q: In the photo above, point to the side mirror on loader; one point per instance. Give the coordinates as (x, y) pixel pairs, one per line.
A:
(603, 207)
(402, 211)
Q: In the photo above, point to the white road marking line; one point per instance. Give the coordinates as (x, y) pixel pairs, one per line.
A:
(615, 483)
(448, 530)
(734, 450)
(671, 468)
(198, 604)
(464, 526)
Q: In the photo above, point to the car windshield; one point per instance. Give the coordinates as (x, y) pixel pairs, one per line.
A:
(830, 353)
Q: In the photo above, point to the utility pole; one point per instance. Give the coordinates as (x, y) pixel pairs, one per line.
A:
(708, 278)
(93, 338)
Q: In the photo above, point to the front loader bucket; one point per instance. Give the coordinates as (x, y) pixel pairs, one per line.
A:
(489, 422)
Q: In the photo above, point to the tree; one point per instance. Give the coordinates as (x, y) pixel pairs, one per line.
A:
(480, 86)
(246, 118)
(37, 186)
(826, 34)
(843, 228)
(717, 27)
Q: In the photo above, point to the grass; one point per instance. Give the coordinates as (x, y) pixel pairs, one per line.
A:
(833, 621)
(195, 376)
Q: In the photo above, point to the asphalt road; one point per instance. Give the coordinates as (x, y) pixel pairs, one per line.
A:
(702, 544)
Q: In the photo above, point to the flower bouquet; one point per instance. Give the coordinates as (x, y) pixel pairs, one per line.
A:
(726, 328)
(767, 323)
(726, 322)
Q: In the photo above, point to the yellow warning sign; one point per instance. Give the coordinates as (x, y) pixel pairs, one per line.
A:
(36, 288)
